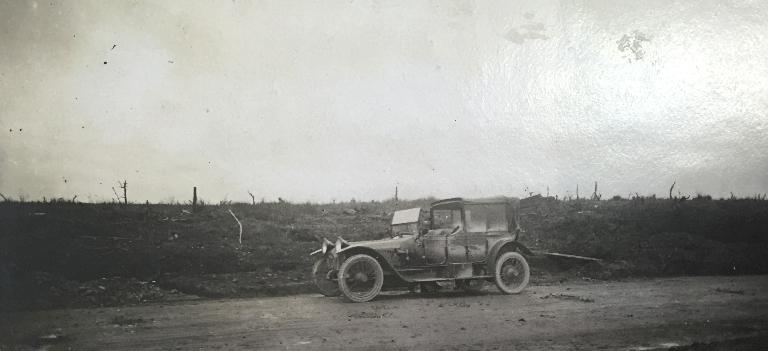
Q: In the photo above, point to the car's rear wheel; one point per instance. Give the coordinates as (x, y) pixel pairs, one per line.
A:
(512, 273)
(320, 271)
(360, 278)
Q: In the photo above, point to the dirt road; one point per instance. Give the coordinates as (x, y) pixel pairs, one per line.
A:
(641, 314)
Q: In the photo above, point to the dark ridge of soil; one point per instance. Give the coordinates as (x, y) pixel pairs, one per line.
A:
(72, 254)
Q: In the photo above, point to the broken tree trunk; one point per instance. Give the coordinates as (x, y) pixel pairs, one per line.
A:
(194, 198)
(595, 196)
(577, 191)
(124, 186)
(672, 187)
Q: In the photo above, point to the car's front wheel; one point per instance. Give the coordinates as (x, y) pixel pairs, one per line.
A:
(512, 273)
(320, 271)
(360, 278)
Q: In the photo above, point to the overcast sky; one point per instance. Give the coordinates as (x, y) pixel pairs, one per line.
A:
(321, 100)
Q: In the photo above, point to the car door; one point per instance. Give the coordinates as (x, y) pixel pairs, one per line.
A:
(476, 217)
(457, 247)
(438, 241)
(434, 244)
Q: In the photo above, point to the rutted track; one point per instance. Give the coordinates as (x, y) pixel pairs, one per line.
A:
(604, 315)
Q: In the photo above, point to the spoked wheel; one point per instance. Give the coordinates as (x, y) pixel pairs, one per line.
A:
(360, 278)
(320, 275)
(512, 273)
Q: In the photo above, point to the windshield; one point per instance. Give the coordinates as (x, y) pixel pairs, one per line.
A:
(446, 219)
(405, 229)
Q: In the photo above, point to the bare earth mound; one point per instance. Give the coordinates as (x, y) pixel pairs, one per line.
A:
(71, 254)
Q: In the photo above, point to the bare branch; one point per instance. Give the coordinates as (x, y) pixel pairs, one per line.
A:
(672, 187)
(253, 198)
(240, 236)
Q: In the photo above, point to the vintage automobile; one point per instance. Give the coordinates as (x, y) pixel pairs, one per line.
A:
(462, 242)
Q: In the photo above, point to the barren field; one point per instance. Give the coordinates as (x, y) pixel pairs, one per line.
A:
(63, 254)
(153, 277)
(720, 313)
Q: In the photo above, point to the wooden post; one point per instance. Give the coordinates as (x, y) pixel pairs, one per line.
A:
(194, 198)
(395, 193)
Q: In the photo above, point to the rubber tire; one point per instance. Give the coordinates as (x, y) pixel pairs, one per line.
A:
(326, 287)
(497, 274)
(377, 286)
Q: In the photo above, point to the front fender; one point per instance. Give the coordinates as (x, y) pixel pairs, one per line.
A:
(504, 246)
(384, 261)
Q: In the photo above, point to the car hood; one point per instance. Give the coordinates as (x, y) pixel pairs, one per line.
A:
(342, 245)
(381, 244)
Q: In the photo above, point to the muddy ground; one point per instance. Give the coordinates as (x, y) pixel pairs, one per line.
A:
(63, 254)
(694, 313)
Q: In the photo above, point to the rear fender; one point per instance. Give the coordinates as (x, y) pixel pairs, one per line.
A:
(505, 246)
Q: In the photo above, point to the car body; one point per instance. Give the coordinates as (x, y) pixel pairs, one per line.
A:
(460, 241)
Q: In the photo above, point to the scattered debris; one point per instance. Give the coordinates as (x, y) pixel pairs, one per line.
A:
(729, 291)
(52, 337)
(122, 320)
(568, 297)
(460, 304)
